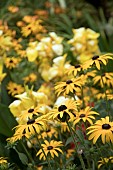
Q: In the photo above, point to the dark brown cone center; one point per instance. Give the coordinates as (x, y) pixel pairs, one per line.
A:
(30, 110)
(11, 61)
(106, 126)
(77, 66)
(61, 108)
(68, 81)
(95, 57)
(82, 115)
(30, 121)
(49, 147)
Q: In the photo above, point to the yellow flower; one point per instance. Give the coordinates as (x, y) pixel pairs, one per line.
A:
(58, 68)
(105, 161)
(64, 111)
(74, 69)
(30, 78)
(85, 115)
(32, 127)
(65, 88)
(50, 132)
(98, 60)
(32, 52)
(103, 128)
(13, 9)
(34, 27)
(3, 161)
(14, 88)
(29, 113)
(2, 75)
(69, 153)
(51, 148)
(84, 43)
(11, 62)
(104, 79)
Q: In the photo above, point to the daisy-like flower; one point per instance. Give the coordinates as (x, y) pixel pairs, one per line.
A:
(29, 113)
(74, 69)
(105, 161)
(85, 115)
(11, 62)
(104, 79)
(65, 88)
(14, 88)
(32, 126)
(30, 78)
(103, 128)
(64, 111)
(98, 60)
(50, 132)
(50, 148)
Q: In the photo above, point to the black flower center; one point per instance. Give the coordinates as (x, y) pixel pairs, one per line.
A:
(11, 61)
(106, 126)
(103, 75)
(15, 88)
(30, 110)
(61, 108)
(49, 147)
(95, 57)
(68, 81)
(82, 115)
(30, 121)
(77, 66)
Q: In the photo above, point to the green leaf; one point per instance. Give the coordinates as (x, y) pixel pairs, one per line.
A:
(23, 158)
(68, 141)
(7, 121)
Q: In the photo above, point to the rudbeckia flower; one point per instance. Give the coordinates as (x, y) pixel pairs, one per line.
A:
(32, 127)
(104, 79)
(71, 85)
(98, 60)
(11, 62)
(105, 161)
(14, 88)
(51, 148)
(29, 113)
(30, 78)
(103, 128)
(85, 115)
(74, 69)
(64, 111)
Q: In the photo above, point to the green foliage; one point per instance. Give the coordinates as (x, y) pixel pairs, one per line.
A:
(7, 121)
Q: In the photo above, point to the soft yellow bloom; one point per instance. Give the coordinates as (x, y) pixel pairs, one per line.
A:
(32, 52)
(84, 42)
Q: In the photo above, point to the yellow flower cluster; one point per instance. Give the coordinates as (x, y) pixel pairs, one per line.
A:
(84, 43)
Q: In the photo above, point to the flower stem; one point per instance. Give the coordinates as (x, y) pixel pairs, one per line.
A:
(29, 156)
(107, 104)
(79, 155)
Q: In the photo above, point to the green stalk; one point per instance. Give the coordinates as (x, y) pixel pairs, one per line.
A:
(79, 155)
(29, 156)
(107, 104)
